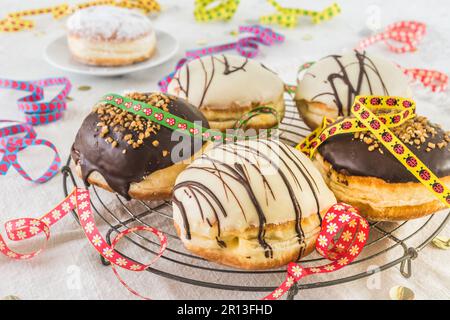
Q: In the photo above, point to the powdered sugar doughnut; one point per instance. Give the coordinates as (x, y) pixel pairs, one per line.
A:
(110, 36)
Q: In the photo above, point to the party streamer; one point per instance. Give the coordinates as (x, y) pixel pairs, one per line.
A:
(10, 146)
(224, 10)
(406, 33)
(288, 17)
(79, 200)
(36, 112)
(208, 10)
(363, 109)
(15, 21)
(340, 219)
(246, 46)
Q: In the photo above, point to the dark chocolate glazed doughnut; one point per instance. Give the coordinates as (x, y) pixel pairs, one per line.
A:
(125, 148)
(361, 155)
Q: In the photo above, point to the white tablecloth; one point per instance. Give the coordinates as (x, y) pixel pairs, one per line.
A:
(70, 268)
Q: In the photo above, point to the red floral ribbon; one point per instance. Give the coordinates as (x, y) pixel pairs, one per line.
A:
(407, 33)
(339, 218)
(79, 200)
(353, 230)
(433, 79)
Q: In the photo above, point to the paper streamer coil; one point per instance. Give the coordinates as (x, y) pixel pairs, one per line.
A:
(288, 17)
(36, 112)
(15, 21)
(406, 33)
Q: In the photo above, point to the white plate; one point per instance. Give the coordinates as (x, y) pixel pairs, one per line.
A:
(57, 54)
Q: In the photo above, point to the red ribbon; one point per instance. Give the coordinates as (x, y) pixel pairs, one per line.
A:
(340, 219)
(435, 80)
(353, 230)
(79, 200)
(407, 33)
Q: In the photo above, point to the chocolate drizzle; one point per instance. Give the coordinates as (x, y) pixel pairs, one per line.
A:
(353, 89)
(237, 171)
(124, 164)
(208, 77)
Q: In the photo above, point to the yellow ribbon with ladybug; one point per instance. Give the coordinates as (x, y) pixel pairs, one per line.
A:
(224, 10)
(15, 21)
(365, 120)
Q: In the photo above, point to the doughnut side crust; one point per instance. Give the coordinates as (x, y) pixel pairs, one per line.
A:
(112, 53)
(156, 186)
(223, 119)
(377, 199)
(243, 250)
(313, 112)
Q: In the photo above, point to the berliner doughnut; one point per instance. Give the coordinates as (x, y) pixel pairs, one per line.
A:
(133, 156)
(110, 36)
(225, 87)
(329, 87)
(362, 172)
(253, 204)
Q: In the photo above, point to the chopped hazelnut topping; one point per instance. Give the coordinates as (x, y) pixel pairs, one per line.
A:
(414, 132)
(114, 119)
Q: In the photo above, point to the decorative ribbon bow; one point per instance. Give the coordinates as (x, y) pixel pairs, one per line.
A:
(340, 219)
(378, 125)
(247, 47)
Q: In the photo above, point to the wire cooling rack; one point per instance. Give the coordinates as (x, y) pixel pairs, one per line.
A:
(389, 244)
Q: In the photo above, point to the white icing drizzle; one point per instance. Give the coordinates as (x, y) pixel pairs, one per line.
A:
(248, 184)
(109, 23)
(326, 80)
(220, 81)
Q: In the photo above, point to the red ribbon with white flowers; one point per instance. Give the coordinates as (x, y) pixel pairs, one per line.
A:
(339, 218)
(433, 79)
(79, 200)
(407, 33)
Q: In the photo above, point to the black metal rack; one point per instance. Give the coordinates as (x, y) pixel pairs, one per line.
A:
(392, 243)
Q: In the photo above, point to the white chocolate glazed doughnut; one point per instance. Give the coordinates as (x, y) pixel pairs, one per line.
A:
(252, 204)
(225, 87)
(329, 86)
(110, 36)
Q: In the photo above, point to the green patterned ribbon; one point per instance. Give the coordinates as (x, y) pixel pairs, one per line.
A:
(176, 123)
